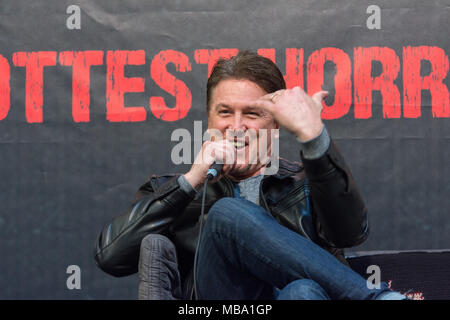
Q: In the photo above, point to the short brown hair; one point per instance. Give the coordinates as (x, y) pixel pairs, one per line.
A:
(249, 66)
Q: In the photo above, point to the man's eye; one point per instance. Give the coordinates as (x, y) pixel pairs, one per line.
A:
(255, 114)
(223, 112)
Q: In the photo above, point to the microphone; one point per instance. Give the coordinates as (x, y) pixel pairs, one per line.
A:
(214, 170)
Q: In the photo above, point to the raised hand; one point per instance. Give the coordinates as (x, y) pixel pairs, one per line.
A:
(294, 110)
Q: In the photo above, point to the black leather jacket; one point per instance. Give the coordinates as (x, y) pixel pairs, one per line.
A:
(337, 219)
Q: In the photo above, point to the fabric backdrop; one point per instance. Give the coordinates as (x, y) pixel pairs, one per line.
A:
(89, 99)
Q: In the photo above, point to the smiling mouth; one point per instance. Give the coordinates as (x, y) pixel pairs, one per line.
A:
(239, 144)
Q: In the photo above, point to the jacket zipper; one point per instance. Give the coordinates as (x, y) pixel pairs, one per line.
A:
(261, 196)
(307, 209)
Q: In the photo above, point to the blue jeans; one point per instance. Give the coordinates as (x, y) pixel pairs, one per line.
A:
(245, 254)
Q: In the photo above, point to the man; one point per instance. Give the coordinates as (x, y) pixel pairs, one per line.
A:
(265, 236)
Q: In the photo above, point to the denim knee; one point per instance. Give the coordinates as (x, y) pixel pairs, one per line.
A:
(234, 212)
(225, 206)
(303, 289)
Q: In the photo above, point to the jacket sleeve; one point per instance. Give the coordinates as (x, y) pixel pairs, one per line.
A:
(155, 207)
(339, 211)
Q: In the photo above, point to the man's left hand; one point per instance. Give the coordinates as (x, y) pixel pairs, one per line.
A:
(294, 110)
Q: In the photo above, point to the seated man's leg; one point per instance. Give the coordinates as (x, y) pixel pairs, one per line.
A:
(158, 269)
(244, 252)
(217, 276)
(303, 289)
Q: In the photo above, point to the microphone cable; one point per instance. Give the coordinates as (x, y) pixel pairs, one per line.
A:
(205, 184)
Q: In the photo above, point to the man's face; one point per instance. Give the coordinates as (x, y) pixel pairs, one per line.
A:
(231, 113)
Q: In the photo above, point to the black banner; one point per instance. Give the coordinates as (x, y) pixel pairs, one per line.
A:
(90, 92)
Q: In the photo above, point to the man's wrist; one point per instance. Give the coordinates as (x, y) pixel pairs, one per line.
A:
(310, 133)
(186, 185)
(193, 179)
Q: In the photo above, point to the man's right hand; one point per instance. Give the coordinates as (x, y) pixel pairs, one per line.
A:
(221, 151)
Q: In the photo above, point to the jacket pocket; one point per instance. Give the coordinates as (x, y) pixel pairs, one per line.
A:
(288, 211)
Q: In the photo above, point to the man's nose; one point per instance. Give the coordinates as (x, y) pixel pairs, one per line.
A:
(237, 127)
(238, 123)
